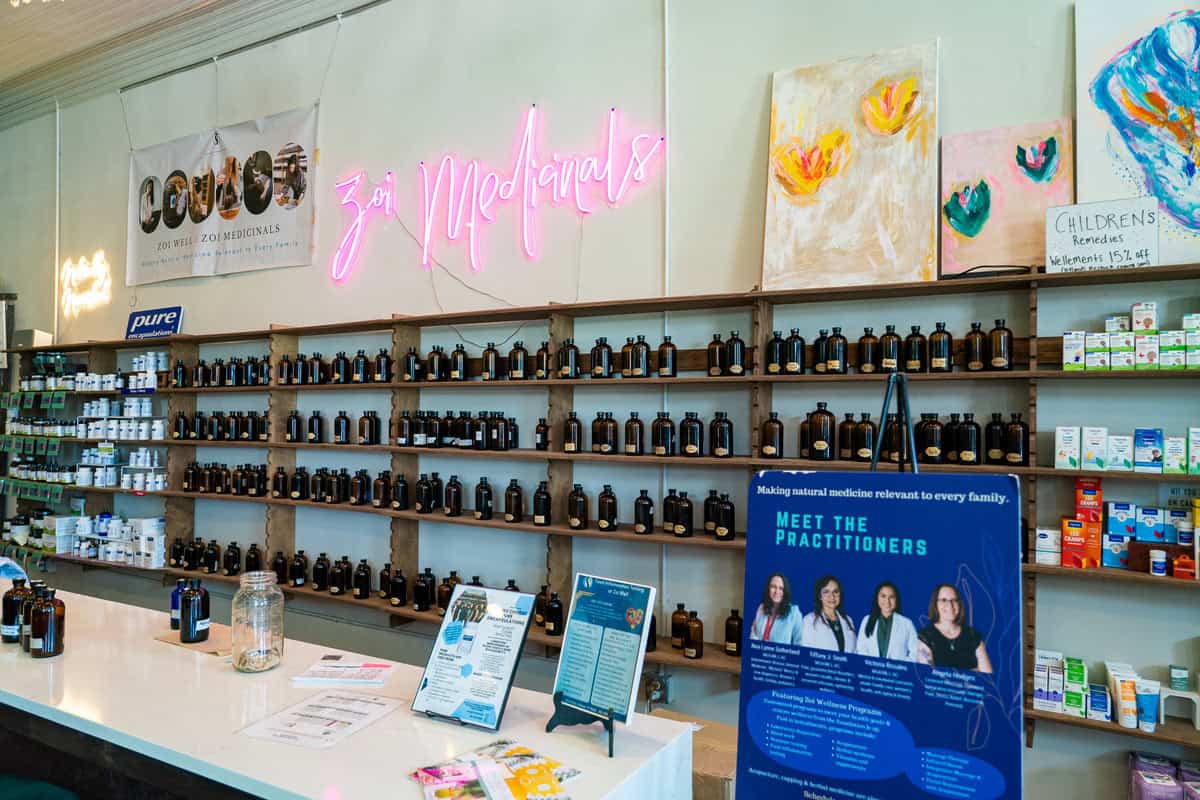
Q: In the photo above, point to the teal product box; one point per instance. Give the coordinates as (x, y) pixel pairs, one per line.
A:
(1148, 450)
(1114, 551)
(1151, 525)
(1121, 519)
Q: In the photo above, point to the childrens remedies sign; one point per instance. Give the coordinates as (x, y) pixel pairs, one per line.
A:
(883, 655)
(230, 199)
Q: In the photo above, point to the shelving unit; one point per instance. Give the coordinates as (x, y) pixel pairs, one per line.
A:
(1037, 361)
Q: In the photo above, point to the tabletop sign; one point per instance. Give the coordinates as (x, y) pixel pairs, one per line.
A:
(1112, 234)
(474, 659)
(153, 323)
(604, 645)
(882, 656)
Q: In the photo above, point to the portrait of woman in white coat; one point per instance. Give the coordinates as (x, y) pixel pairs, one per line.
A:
(885, 632)
(828, 627)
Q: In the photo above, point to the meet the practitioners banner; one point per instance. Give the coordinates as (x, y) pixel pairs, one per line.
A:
(883, 656)
(230, 199)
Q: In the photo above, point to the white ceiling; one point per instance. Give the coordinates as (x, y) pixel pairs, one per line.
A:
(39, 33)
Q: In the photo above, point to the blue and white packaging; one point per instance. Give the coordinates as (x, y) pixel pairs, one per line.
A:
(1171, 526)
(1099, 703)
(1148, 450)
(1114, 551)
(1151, 526)
(1122, 519)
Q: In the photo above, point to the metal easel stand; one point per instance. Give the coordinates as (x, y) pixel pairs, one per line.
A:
(898, 382)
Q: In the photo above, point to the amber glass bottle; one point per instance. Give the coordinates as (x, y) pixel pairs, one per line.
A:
(444, 592)
(679, 618)
(1016, 442)
(662, 434)
(930, 441)
(424, 498)
(1000, 347)
(47, 621)
(541, 505)
(541, 435)
(916, 351)
(399, 493)
(598, 433)
(518, 356)
(667, 358)
(950, 438)
(572, 434)
(836, 351)
(693, 641)
(975, 349)
(889, 350)
(670, 506)
(514, 502)
(567, 360)
(361, 580)
(10, 620)
(771, 443)
(794, 355)
(640, 367)
(803, 435)
(606, 509)
(684, 516)
(424, 590)
(970, 438)
(383, 366)
(341, 428)
(710, 511)
(458, 363)
(577, 508)
(300, 373)
(691, 435)
(543, 364)
(720, 435)
(554, 615)
(411, 366)
(941, 349)
(868, 352)
(437, 493)
(298, 487)
(483, 499)
(845, 438)
(398, 589)
(821, 351)
(865, 434)
(735, 354)
(316, 428)
(716, 356)
(627, 358)
(993, 440)
(643, 513)
(339, 368)
(773, 357)
(453, 501)
(725, 519)
(895, 441)
(733, 634)
(489, 363)
(381, 490)
(635, 435)
(602, 358)
(821, 434)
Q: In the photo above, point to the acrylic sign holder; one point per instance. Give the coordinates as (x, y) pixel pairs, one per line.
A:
(899, 382)
(565, 715)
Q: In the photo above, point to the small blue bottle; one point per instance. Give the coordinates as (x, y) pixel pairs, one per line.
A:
(180, 583)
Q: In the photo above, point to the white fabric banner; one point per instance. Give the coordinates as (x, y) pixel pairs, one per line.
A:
(231, 199)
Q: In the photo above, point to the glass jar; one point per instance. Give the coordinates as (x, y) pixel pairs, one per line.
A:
(257, 623)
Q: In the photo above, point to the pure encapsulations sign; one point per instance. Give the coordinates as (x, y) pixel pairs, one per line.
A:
(154, 323)
(1107, 235)
(882, 658)
(231, 199)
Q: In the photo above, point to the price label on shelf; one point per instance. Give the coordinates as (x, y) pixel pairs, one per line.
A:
(1113, 234)
(58, 400)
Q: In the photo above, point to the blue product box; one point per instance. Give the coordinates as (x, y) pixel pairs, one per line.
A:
(1150, 525)
(1170, 532)
(1121, 519)
(1148, 450)
(1114, 551)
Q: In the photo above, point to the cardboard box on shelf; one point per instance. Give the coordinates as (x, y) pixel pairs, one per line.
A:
(1080, 544)
(1095, 448)
(1144, 317)
(1146, 351)
(1121, 353)
(1073, 350)
(1122, 519)
(1120, 452)
(1115, 323)
(714, 756)
(1148, 450)
(1115, 551)
(1175, 455)
(1193, 451)
(1066, 447)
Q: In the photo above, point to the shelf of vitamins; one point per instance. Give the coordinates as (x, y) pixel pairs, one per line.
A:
(1147, 450)
(1134, 341)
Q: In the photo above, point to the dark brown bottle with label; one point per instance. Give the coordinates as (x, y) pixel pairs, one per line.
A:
(710, 511)
(483, 500)
(385, 582)
(321, 487)
(643, 513)
(598, 433)
(489, 366)
(554, 615)
(771, 442)
(219, 373)
(931, 447)
(283, 371)
(567, 360)
(381, 490)
(916, 351)
(543, 364)
(317, 372)
(794, 355)
(518, 357)
(733, 634)
(179, 376)
(684, 517)
(436, 492)
(577, 508)
(950, 438)
(216, 427)
(400, 498)
(609, 441)
(835, 353)
(627, 358)
(868, 352)
(316, 428)
(362, 580)
(320, 574)
(679, 618)
(606, 509)
(424, 498)
(542, 503)
(360, 488)
(691, 435)
(667, 358)
(572, 433)
(845, 438)
(294, 428)
(541, 435)
(383, 366)
(890, 345)
(640, 367)
(601, 359)
(1000, 347)
(735, 354)
(297, 570)
(398, 589)
(693, 641)
(720, 435)
(662, 434)
(975, 349)
(437, 366)
(821, 434)
(47, 626)
(444, 592)
(725, 519)
(433, 429)
(716, 356)
(993, 440)
(635, 435)
(895, 441)
(10, 612)
(821, 351)
(424, 590)
(411, 366)
(300, 369)
(194, 613)
(458, 363)
(341, 428)
(941, 349)
(1016, 442)
(670, 505)
(339, 368)
(803, 436)
(514, 502)
(773, 357)
(539, 606)
(179, 426)
(970, 438)
(253, 559)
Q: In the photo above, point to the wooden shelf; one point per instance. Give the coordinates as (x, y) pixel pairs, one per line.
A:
(1174, 731)
(1104, 574)
(1157, 477)
(1137, 374)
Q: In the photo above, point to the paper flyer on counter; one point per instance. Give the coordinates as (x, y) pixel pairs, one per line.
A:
(882, 659)
(475, 656)
(323, 720)
(604, 645)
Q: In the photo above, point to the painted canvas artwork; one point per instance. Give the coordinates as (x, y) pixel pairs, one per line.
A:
(852, 172)
(996, 187)
(1137, 95)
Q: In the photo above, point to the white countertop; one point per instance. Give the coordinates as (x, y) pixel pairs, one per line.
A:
(115, 682)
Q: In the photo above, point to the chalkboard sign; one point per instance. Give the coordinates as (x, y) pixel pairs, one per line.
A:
(1113, 234)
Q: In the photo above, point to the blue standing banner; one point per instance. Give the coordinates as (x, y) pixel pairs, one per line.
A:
(883, 654)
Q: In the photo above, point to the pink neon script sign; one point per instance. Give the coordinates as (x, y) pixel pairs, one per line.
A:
(468, 194)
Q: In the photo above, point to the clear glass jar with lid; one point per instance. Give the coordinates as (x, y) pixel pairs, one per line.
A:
(257, 617)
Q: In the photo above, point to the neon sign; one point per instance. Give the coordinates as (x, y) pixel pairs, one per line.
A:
(85, 284)
(466, 193)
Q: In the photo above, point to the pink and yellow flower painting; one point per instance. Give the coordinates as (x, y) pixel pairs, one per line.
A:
(852, 172)
(996, 187)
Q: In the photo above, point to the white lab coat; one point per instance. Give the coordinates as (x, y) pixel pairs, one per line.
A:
(815, 633)
(902, 644)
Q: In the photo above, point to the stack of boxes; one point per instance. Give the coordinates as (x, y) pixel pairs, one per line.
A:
(1134, 342)
(1148, 450)
(1154, 777)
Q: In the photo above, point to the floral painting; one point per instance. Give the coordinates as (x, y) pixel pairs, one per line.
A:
(1137, 95)
(996, 187)
(852, 172)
